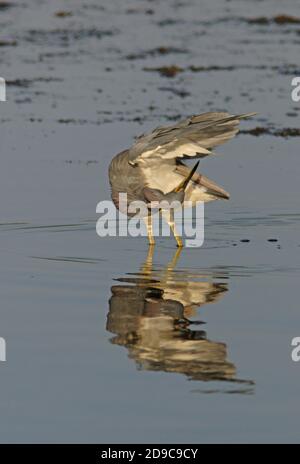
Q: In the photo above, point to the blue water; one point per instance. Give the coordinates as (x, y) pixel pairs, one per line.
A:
(104, 342)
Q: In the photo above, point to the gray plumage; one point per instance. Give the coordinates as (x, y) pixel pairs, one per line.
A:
(154, 164)
(203, 131)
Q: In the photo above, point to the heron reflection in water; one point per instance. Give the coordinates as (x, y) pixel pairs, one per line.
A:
(149, 314)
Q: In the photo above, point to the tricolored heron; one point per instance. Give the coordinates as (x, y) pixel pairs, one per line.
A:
(153, 168)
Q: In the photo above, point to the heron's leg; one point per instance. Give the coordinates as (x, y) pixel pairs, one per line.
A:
(169, 217)
(148, 221)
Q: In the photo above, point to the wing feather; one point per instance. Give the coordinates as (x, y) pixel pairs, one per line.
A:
(191, 138)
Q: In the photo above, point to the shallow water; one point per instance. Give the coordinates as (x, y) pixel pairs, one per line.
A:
(106, 343)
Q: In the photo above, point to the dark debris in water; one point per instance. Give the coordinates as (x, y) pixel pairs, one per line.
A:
(211, 68)
(25, 83)
(35, 120)
(72, 121)
(257, 131)
(51, 55)
(168, 22)
(5, 5)
(166, 71)
(8, 42)
(174, 117)
(147, 11)
(286, 132)
(279, 19)
(63, 14)
(246, 240)
(20, 101)
(179, 93)
(64, 37)
(155, 52)
(86, 163)
(173, 70)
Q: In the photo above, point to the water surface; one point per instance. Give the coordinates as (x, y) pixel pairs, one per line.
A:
(106, 342)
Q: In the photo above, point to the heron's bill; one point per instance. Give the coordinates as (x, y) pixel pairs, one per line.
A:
(183, 185)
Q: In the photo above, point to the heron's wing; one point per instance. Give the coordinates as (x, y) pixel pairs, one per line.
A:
(190, 138)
